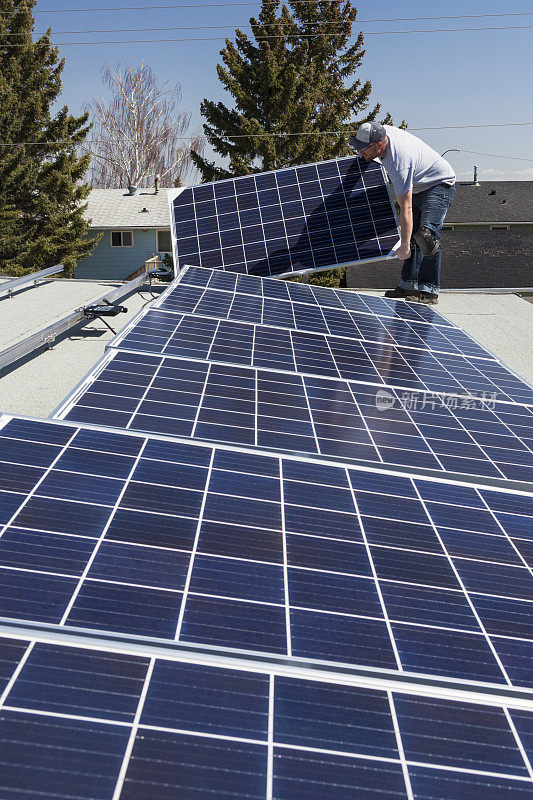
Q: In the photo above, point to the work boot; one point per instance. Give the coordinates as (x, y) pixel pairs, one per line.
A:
(427, 298)
(427, 241)
(399, 292)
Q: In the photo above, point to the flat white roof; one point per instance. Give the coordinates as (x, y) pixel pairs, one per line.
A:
(37, 385)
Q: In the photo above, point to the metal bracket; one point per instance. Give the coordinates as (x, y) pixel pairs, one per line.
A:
(101, 310)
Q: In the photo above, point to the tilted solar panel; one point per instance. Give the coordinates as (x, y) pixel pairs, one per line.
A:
(354, 421)
(290, 220)
(212, 303)
(121, 533)
(272, 289)
(381, 363)
(89, 723)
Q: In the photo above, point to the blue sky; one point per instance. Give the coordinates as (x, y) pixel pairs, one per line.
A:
(430, 79)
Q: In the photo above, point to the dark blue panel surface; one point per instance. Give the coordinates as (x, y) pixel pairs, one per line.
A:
(337, 638)
(70, 759)
(333, 718)
(81, 682)
(228, 623)
(216, 701)
(318, 313)
(11, 651)
(432, 784)
(301, 775)
(449, 733)
(205, 729)
(379, 363)
(309, 294)
(113, 607)
(306, 414)
(33, 596)
(313, 567)
(286, 227)
(445, 652)
(168, 765)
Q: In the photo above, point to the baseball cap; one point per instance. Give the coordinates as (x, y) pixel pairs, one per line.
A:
(369, 133)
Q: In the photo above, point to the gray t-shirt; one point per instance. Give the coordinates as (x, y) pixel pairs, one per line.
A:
(413, 164)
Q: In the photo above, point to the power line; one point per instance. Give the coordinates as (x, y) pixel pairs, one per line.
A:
(305, 133)
(267, 38)
(318, 23)
(494, 155)
(228, 5)
(153, 8)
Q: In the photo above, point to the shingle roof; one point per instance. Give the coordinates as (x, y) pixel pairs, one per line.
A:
(115, 208)
(492, 201)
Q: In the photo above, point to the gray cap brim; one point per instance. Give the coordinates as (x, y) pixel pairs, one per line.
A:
(356, 144)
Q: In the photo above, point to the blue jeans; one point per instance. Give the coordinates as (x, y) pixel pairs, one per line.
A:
(429, 209)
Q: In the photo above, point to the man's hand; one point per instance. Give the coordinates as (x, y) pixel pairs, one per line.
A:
(404, 251)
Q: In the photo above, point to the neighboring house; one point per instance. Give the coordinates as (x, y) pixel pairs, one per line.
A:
(134, 227)
(487, 240)
(488, 235)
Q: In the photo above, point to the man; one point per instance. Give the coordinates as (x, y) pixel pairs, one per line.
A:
(424, 184)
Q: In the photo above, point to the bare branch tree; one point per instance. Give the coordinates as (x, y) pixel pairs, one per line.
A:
(139, 133)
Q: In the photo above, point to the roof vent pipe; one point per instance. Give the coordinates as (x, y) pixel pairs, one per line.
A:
(476, 182)
(156, 183)
(131, 190)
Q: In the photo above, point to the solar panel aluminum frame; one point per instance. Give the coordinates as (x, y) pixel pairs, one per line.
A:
(72, 398)
(289, 667)
(173, 193)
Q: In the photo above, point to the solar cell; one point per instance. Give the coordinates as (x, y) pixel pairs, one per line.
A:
(308, 218)
(306, 414)
(92, 723)
(220, 547)
(220, 341)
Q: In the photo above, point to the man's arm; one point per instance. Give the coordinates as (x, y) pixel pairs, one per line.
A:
(406, 224)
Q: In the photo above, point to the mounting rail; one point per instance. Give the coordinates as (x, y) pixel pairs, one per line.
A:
(34, 277)
(47, 336)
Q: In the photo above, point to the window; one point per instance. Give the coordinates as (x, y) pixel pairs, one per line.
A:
(164, 245)
(499, 227)
(121, 238)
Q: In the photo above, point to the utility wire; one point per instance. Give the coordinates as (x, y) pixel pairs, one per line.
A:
(318, 23)
(196, 5)
(304, 133)
(493, 155)
(227, 5)
(267, 38)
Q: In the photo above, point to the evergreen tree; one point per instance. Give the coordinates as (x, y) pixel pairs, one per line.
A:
(297, 79)
(41, 181)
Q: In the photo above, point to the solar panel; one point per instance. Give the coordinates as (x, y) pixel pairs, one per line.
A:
(306, 414)
(213, 546)
(271, 289)
(212, 303)
(91, 723)
(189, 336)
(290, 220)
